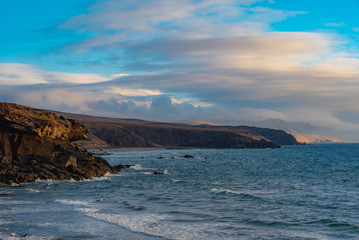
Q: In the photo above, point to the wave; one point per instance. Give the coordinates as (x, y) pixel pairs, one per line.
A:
(137, 167)
(218, 183)
(34, 190)
(155, 172)
(260, 222)
(137, 223)
(177, 180)
(107, 176)
(72, 202)
(223, 190)
(13, 236)
(226, 191)
(156, 225)
(133, 207)
(334, 224)
(86, 210)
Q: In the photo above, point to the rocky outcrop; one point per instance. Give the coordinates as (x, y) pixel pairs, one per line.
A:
(36, 144)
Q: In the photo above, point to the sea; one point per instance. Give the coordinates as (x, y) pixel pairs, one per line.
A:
(294, 192)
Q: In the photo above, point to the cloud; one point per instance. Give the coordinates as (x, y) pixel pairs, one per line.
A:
(161, 107)
(23, 74)
(335, 24)
(116, 23)
(215, 60)
(132, 92)
(349, 117)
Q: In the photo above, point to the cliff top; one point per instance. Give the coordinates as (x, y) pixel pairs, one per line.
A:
(40, 122)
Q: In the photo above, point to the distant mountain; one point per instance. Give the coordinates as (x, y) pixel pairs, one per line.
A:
(303, 132)
(116, 132)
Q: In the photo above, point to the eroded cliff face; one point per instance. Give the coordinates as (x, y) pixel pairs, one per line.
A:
(37, 144)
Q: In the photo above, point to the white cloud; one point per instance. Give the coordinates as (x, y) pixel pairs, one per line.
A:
(13, 74)
(335, 24)
(133, 92)
(19, 74)
(139, 20)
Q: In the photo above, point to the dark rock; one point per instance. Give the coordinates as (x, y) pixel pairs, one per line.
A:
(37, 144)
(120, 167)
(158, 173)
(188, 156)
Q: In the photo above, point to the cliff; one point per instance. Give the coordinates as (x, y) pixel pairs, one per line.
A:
(36, 144)
(173, 136)
(115, 132)
(278, 136)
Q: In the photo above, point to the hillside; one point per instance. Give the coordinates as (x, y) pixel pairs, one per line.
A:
(121, 133)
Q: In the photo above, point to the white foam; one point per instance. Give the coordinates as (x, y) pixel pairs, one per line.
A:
(223, 190)
(176, 180)
(217, 183)
(137, 223)
(86, 210)
(137, 167)
(216, 190)
(46, 181)
(166, 172)
(34, 190)
(156, 225)
(106, 176)
(72, 202)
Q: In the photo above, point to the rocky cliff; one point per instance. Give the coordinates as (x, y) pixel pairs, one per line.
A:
(122, 133)
(278, 136)
(36, 144)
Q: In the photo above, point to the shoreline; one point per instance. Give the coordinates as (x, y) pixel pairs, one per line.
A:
(127, 149)
(139, 149)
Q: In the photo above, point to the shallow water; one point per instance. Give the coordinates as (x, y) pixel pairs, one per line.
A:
(296, 192)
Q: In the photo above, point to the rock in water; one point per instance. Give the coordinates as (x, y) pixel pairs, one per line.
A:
(36, 144)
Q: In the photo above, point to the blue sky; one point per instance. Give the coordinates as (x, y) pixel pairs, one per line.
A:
(225, 61)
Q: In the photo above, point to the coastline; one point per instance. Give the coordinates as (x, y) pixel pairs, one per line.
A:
(127, 149)
(139, 149)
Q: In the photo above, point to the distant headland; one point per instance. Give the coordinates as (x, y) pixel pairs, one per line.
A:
(38, 144)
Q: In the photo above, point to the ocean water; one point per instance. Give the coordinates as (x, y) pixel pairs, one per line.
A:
(296, 192)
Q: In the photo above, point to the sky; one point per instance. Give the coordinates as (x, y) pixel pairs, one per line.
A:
(225, 61)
